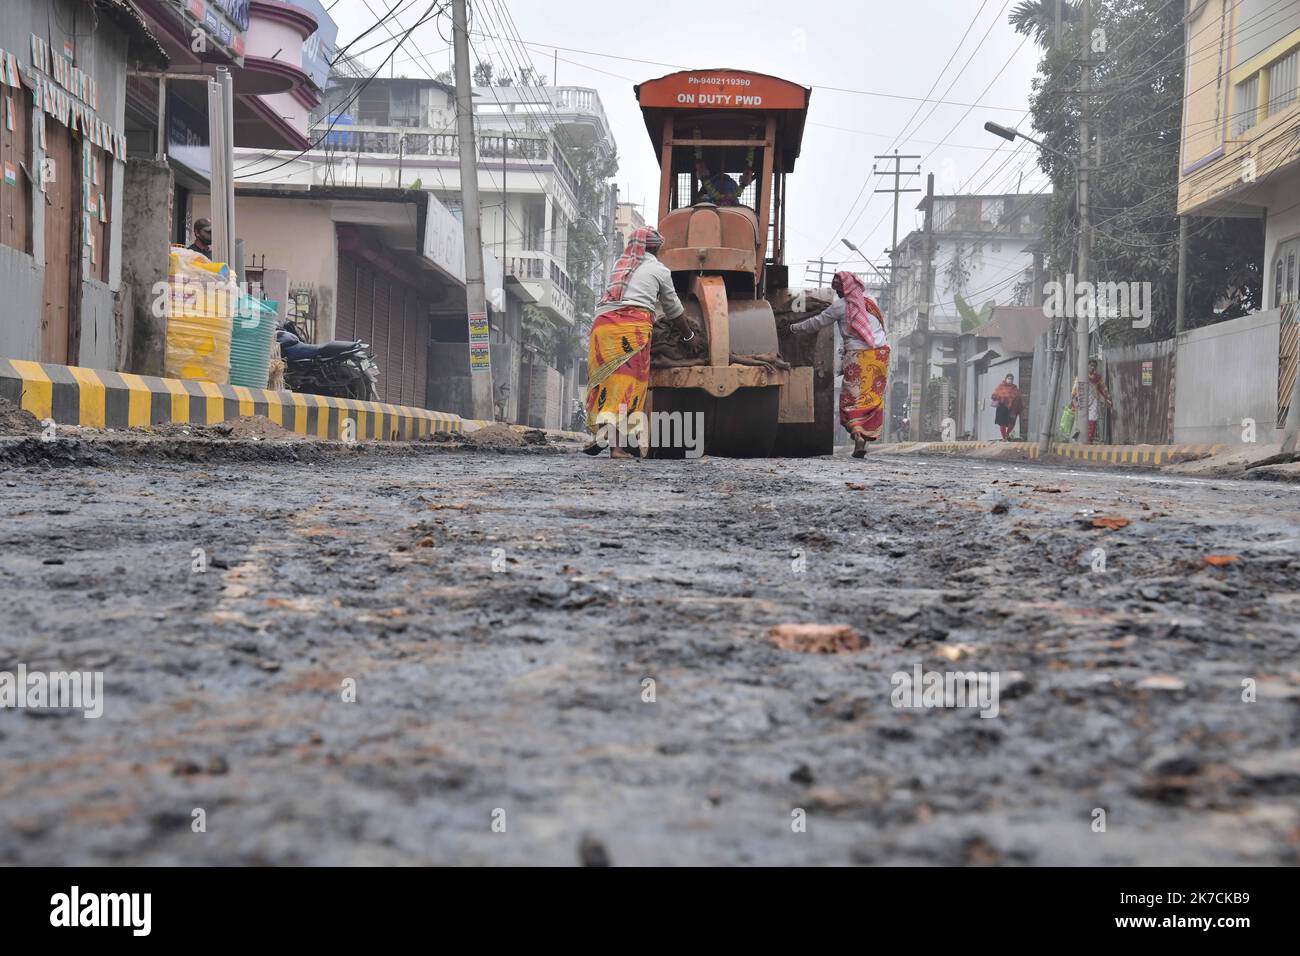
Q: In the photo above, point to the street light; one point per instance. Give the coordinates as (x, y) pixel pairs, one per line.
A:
(1044, 439)
(865, 259)
(1010, 135)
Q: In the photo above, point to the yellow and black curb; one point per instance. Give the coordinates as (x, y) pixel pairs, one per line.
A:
(1149, 456)
(97, 398)
(1138, 456)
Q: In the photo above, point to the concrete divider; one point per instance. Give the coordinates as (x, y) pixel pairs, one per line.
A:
(101, 399)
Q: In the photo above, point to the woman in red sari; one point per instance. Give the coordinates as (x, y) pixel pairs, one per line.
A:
(618, 352)
(1008, 400)
(866, 358)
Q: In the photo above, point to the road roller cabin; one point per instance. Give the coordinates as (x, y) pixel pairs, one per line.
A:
(726, 141)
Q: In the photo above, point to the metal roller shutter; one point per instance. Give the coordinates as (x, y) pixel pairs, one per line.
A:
(388, 371)
(345, 313)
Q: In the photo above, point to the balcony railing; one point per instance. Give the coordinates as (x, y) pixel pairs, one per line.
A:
(424, 141)
(540, 267)
(526, 267)
(578, 99)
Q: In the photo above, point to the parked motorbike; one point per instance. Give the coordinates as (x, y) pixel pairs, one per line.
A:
(339, 369)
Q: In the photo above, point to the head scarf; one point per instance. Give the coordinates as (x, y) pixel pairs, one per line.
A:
(858, 306)
(633, 255)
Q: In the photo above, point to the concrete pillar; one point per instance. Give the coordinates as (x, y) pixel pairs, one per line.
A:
(146, 235)
(548, 237)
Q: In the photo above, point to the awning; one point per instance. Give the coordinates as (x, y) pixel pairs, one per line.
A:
(986, 356)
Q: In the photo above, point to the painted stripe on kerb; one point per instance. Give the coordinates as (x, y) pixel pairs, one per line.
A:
(139, 400)
(38, 390)
(100, 398)
(90, 397)
(244, 396)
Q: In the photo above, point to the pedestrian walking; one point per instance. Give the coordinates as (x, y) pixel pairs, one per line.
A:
(1009, 402)
(618, 351)
(865, 357)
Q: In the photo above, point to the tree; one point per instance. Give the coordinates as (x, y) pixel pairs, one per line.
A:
(970, 319)
(483, 70)
(1133, 192)
(587, 245)
(1037, 18)
(530, 77)
(558, 344)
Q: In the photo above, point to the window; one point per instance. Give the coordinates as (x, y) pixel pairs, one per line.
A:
(1282, 77)
(1244, 105)
(991, 212)
(944, 211)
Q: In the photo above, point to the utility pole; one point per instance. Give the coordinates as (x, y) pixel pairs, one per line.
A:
(1085, 226)
(504, 198)
(221, 130)
(897, 173)
(1054, 354)
(887, 305)
(1180, 304)
(480, 354)
(1056, 346)
(821, 271)
(921, 360)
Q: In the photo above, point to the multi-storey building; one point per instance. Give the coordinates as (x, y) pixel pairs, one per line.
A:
(1240, 156)
(1241, 127)
(627, 219)
(401, 133)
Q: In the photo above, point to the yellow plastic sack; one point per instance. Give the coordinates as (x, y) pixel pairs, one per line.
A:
(200, 317)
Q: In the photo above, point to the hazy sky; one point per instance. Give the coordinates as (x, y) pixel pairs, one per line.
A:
(864, 45)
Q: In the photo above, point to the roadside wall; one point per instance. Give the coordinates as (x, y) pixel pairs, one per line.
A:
(1225, 373)
(449, 384)
(148, 204)
(99, 50)
(544, 397)
(1138, 377)
(22, 279)
(296, 235)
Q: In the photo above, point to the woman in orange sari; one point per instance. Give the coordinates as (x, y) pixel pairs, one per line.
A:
(865, 358)
(618, 353)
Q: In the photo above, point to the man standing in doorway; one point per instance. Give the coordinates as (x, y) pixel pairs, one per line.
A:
(202, 243)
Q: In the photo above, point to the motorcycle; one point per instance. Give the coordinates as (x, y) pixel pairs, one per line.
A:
(339, 369)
